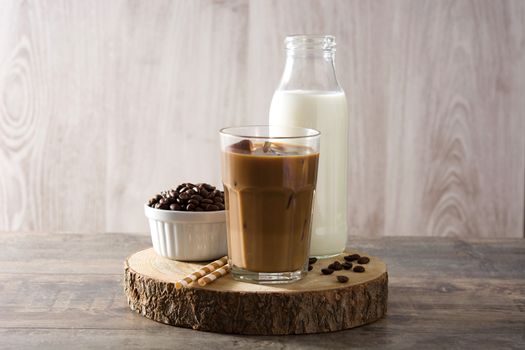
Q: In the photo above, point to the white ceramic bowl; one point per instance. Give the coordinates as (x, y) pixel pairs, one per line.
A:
(188, 236)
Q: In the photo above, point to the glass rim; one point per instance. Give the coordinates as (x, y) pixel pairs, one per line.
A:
(226, 131)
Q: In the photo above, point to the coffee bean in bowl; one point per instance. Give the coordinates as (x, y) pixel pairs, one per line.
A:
(188, 222)
(189, 197)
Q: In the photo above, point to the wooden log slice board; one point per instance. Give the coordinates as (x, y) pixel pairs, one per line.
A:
(317, 303)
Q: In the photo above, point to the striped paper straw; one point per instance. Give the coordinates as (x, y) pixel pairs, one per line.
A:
(192, 277)
(214, 275)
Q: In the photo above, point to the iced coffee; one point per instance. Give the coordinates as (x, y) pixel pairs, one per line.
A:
(269, 184)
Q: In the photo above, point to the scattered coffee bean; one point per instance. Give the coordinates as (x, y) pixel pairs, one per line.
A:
(347, 265)
(342, 279)
(363, 260)
(336, 265)
(359, 269)
(189, 197)
(312, 260)
(352, 257)
(327, 271)
(310, 267)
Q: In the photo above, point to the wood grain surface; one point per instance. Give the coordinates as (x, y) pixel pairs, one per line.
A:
(316, 304)
(63, 291)
(103, 104)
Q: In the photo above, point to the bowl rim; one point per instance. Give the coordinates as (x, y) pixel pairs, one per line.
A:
(184, 216)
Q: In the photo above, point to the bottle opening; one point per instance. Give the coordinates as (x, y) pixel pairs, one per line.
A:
(313, 42)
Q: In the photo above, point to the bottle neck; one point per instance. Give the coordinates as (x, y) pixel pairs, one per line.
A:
(309, 72)
(310, 64)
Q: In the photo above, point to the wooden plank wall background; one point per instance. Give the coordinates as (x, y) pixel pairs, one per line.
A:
(104, 103)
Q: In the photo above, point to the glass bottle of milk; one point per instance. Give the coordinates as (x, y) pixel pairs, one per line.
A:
(310, 96)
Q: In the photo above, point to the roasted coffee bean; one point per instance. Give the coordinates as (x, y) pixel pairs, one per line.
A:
(175, 206)
(359, 269)
(194, 202)
(157, 205)
(310, 267)
(312, 260)
(363, 260)
(218, 199)
(342, 279)
(212, 207)
(347, 265)
(190, 207)
(209, 187)
(184, 196)
(199, 209)
(352, 257)
(206, 200)
(337, 266)
(196, 197)
(220, 205)
(162, 201)
(204, 193)
(216, 193)
(327, 271)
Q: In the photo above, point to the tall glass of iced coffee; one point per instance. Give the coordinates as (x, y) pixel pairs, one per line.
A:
(269, 175)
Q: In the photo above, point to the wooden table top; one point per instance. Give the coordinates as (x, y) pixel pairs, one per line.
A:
(64, 291)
